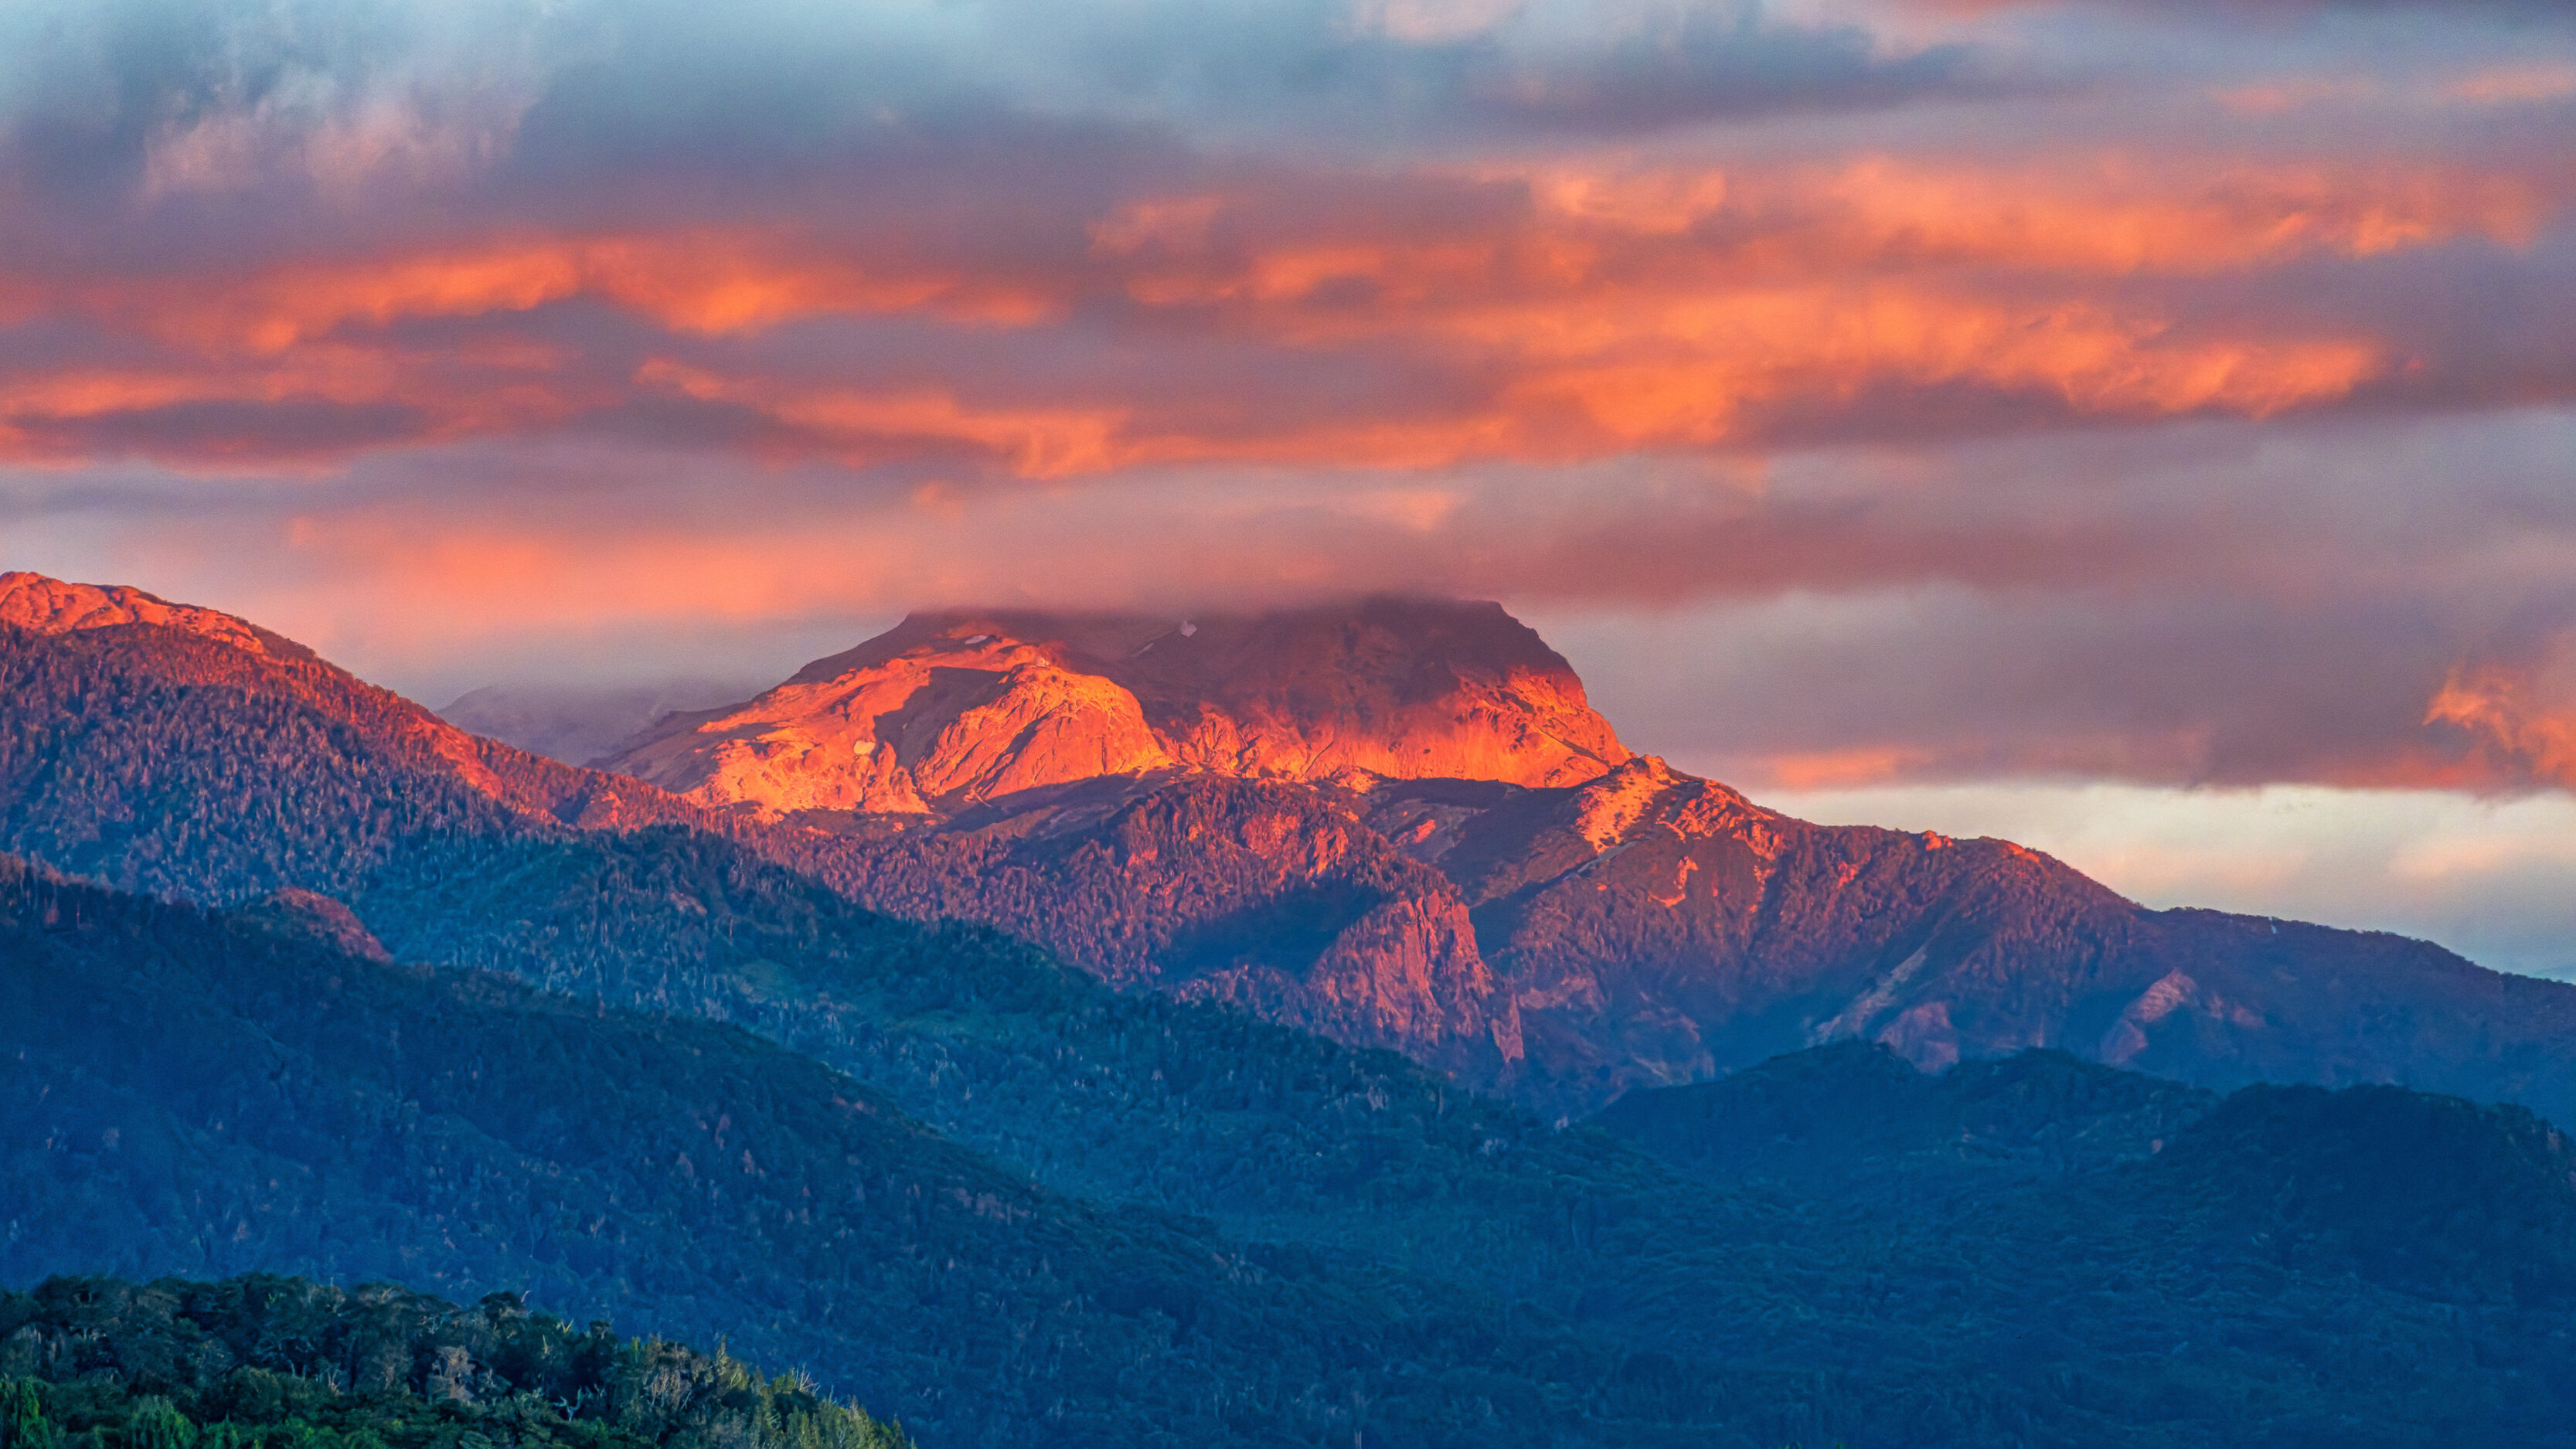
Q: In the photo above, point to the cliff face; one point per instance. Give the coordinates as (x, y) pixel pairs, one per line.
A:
(948, 711)
(957, 716)
(1272, 895)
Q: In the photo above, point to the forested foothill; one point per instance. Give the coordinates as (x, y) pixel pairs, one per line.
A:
(264, 1362)
(2038, 1250)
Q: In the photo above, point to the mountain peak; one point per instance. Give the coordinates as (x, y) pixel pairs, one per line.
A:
(45, 605)
(955, 706)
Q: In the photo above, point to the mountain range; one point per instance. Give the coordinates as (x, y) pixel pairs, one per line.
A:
(970, 1101)
(1399, 822)
(1416, 834)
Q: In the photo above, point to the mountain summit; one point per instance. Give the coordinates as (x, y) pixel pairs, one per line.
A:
(950, 710)
(44, 605)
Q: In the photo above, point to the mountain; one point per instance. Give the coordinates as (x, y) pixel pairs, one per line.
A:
(2444, 1198)
(947, 711)
(1620, 924)
(1655, 928)
(2434, 1195)
(1562, 943)
(288, 759)
(89, 1362)
(1857, 1109)
(41, 605)
(128, 755)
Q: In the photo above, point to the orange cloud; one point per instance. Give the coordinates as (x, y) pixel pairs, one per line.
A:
(1660, 309)
(1558, 313)
(76, 413)
(1657, 308)
(863, 426)
(1700, 362)
(282, 335)
(703, 282)
(1845, 769)
(2110, 218)
(2525, 717)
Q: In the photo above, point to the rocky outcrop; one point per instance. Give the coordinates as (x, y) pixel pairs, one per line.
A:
(950, 722)
(51, 606)
(304, 915)
(949, 711)
(1270, 895)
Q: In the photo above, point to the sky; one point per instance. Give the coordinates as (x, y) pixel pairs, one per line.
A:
(2144, 428)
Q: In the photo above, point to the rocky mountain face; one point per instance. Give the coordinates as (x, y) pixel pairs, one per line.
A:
(42, 605)
(1566, 944)
(953, 710)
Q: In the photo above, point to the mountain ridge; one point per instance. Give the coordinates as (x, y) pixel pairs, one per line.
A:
(1560, 943)
(44, 605)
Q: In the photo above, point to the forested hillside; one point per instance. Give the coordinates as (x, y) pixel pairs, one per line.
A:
(186, 1092)
(194, 1093)
(259, 1361)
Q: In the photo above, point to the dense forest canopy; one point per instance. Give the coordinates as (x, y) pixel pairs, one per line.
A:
(265, 1362)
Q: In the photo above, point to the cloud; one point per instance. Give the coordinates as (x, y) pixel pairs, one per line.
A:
(169, 98)
(2519, 713)
(1555, 312)
(2486, 878)
(350, 100)
(1054, 242)
(1710, 63)
(2233, 602)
